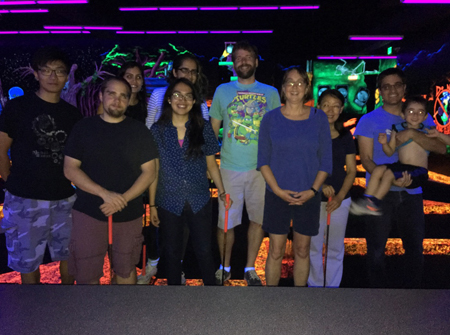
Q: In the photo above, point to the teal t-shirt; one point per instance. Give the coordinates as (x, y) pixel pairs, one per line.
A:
(241, 108)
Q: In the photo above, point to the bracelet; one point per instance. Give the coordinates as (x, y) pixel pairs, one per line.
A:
(448, 149)
(314, 190)
(154, 206)
(223, 193)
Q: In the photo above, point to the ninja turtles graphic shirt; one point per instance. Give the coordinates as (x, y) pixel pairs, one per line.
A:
(241, 108)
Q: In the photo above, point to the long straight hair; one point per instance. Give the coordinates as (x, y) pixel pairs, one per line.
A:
(194, 131)
(141, 95)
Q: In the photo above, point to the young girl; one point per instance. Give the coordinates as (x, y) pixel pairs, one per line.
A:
(336, 187)
(180, 195)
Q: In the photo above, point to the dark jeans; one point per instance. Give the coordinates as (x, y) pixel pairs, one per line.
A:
(172, 232)
(407, 211)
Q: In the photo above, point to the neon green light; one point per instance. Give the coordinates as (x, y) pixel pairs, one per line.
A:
(389, 51)
(225, 63)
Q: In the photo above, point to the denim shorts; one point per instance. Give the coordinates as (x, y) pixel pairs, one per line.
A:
(30, 225)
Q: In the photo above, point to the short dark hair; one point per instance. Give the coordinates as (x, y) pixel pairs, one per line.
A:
(308, 94)
(389, 72)
(415, 98)
(244, 45)
(106, 82)
(332, 93)
(49, 54)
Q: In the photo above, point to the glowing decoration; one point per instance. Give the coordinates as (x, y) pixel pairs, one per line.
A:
(178, 8)
(28, 11)
(389, 51)
(259, 8)
(103, 28)
(375, 38)
(15, 92)
(193, 32)
(377, 57)
(337, 57)
(225, 31)
(130, 32)
(257, 31)
(218, 8)
(161, 32)
(65, 31)
(34, 32)
(17, 3)
(63, 27)
(137, 9)
(353, 77)
(441, 109)
(8, 32)
(299, 7)
(62, 2)
(426, 2)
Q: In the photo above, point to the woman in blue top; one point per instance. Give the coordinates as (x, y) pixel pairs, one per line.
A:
(180, 195)
(294, 156)
(336, 187)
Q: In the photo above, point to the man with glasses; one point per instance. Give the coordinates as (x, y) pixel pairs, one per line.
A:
(401, 205)
(39, 199)
(241, 105)
(111, 160)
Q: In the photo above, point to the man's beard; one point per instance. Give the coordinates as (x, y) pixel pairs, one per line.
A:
(115, 113)
(247, 74)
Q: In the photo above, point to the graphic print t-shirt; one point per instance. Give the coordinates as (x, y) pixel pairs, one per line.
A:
(39, 131)
(242, 107)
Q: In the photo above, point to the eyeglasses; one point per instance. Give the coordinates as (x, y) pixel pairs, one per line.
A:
(411, 112)
(295, 83)
(46, 71)
(387, 87)
(186, 71)
(179, 96)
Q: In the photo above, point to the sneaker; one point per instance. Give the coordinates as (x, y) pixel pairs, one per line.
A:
(365, 206)
(252, 278)
(226, 276)
(183, 278)
(150, 271)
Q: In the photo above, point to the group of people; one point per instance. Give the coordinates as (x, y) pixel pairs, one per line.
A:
(291, 165)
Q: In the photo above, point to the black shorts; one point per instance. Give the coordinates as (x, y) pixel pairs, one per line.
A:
(278, 215)
(419, 175)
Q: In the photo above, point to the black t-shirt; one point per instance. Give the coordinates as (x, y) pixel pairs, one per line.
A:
(137, 112)
(39, 130)
(111, 154)
(343, 145)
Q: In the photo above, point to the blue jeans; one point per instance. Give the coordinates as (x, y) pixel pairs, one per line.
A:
(406, 210)
(172, 232)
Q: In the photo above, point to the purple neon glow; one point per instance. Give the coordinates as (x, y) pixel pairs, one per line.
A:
(34, 32)
(65, 31)
(427, 2)
(134, 9)
(28, 11)
(225, 31)
(4, 11)
(178, 8)
(257, 31)
(130, 32)
(193, 32)
(16, 3)
(375, 38)
(218, 8)
(161, 32)
(337, 57)
(259, 8)
(63, 27)
(104, 28)
(62, 2)
(377, 57)
(8, 32)
(86, 32)
(299, 7)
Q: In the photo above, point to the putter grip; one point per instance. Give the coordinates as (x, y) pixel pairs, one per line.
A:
(227, 202)
(329, 214)
(110, 239)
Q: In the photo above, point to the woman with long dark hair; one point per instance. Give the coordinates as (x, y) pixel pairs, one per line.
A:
(180, 195)
(184, 66)
(336, 187)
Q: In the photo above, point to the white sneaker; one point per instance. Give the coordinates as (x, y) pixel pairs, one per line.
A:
(150, 271)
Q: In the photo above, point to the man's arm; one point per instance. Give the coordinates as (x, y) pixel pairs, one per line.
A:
(215, 123)
(428, 143)
(5, 164)
(73, 172)
(365, 145)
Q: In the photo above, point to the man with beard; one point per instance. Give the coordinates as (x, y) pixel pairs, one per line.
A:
(111, 160)
(239, 154)
(401, 205)
(39, 199)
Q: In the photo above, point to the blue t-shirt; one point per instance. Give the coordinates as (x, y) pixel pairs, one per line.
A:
(242, 107)
(181, 179)
(380, 121)
(295, 150)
